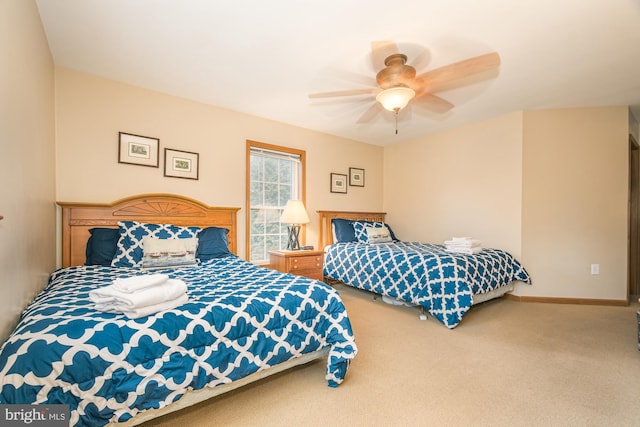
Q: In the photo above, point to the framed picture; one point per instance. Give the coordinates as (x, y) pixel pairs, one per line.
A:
(138, 150)
(338, 183)
(356, 177)
(180, 164)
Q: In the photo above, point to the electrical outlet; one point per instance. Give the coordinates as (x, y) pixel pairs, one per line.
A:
(595, 269)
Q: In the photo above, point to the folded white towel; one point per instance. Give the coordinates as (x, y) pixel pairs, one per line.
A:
(466, 251)
(136, 283)
(167, 305)
(467, 243)
(111, 299)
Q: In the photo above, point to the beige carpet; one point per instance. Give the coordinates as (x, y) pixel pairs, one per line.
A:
(507, 364)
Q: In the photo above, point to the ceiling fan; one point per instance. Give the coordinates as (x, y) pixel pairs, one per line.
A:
(398, 84)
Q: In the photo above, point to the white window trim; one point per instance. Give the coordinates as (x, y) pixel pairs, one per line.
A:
(253, 148)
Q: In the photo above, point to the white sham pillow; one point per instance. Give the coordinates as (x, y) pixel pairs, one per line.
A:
(378, 235)
(168, 252)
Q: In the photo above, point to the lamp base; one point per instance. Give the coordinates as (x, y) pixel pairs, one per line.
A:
(294, 232)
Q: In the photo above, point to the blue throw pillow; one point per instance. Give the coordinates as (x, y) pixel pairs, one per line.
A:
(212, 243)
(101, 246)
(343, 230)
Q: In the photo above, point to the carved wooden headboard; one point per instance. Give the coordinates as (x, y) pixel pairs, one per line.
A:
(325, 234)
(78, 218)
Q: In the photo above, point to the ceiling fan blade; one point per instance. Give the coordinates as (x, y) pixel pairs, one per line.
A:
(431, 80)
(432, 103)
(371, 112)
(351, 92)
(380, 50)
(420, 60)
(353, 79)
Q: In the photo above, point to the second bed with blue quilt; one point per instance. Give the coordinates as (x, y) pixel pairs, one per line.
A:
(445, 284)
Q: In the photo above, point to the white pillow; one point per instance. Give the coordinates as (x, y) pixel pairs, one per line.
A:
(168, 252)
(378, 235)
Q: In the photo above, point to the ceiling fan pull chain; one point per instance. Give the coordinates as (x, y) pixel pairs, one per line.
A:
(396, 122)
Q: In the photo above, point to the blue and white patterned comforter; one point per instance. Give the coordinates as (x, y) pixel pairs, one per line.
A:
(240, 319)
(423, 274)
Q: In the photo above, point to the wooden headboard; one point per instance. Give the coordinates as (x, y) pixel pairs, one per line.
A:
(325, 234)
(78, 218)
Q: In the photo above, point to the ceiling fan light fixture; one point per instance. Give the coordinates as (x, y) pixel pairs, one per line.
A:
(395, 98)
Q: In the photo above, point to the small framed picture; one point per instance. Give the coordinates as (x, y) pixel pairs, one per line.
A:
(180, 164)
(138, 150)
(338, 183)
(356, 177)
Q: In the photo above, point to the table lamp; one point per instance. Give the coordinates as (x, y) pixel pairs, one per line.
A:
(294, 214)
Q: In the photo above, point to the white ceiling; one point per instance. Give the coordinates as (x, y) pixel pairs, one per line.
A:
(265, 57)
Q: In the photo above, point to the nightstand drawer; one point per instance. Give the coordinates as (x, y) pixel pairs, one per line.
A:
(301, 263)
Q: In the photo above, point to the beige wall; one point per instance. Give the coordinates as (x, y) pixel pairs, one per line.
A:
(90, 111)
(465, 182)
(575, 204)
(549, 186)
(27, 235)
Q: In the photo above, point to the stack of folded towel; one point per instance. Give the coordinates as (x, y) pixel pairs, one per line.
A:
(463, 245)
(140, 296)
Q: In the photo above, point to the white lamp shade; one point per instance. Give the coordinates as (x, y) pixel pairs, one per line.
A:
(295, 213)
(395, 98)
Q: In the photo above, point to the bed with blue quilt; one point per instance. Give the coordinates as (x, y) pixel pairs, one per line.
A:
(444, 284)
(241, 322)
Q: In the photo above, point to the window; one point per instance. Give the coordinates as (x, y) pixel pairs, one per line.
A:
(274, 176)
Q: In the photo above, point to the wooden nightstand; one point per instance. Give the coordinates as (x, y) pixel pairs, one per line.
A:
(301, 263)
